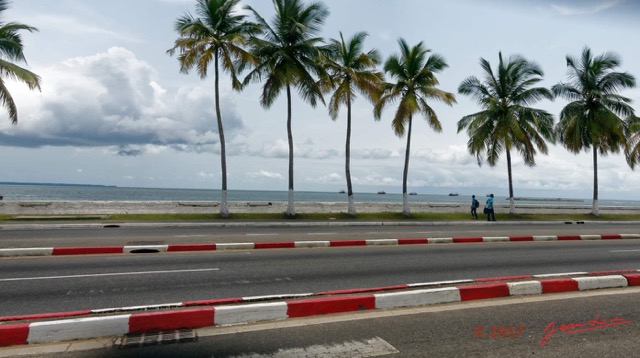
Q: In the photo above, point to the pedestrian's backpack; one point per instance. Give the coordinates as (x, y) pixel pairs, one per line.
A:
(475, 203)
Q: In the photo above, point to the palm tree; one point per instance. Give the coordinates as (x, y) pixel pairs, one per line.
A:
(507, 123)
(217, 34)
(11, 50)
(414, 70)
(349, 69)
(632, 149)
(288, 57)
(593, 117)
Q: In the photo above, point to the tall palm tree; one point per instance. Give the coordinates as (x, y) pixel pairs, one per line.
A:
(593, 117)
(632, 149)
(11, 50)
(288, 55)
(507, 123)
(415, 72)
(218, 34)
(349, 69)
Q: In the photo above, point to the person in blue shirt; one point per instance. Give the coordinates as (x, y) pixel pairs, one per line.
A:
(491, 216)
(474, 206)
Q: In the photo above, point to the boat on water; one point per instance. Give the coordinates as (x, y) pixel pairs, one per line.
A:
(381, 192)
(413, 193)
(341, 192)
(453, 194)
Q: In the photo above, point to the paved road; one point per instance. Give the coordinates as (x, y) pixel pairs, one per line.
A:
(611, 326)
(148, 234)
(68, 283)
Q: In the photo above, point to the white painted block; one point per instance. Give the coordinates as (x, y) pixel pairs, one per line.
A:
(28, 251)
(250, 313)
(545, 238)
(630, 236)
(592, 283)
(382, 242)
(79, 328)
(495, 239)
(235, 246)
(417, 298)
(525, 288)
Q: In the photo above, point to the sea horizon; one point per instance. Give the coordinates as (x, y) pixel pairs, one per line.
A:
(17, 191)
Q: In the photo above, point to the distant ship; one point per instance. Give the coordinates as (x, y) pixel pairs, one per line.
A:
(341, 192)
(413, 193)
(381, 192)
(453, 194)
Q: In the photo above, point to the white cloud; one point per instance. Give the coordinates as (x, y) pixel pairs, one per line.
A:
(585, 7)
(115, 99)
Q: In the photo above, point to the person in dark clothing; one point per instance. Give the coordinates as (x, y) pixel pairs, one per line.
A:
(474, 206)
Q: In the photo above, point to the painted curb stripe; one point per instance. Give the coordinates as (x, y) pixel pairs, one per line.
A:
(413, 241)
(88, 250)
(633, 279)
(520, 238)
(559, 285)
(191, 247)
(464, 240)
(329, 305)
(164, 321)
(477, 292)
(14, 334)
(46, 251)
(274, 245)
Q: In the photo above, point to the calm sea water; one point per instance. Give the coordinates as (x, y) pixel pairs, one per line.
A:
(105, 193)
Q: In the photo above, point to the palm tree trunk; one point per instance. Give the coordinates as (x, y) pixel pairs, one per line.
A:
(224, 209)
(594, 209)
(512, 204)
(405, 198)
(347, 166)
(291, 210)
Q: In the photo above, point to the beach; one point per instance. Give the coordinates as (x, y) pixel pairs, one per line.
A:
(86, 207)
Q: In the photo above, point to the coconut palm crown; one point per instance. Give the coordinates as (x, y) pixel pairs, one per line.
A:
(350, 70)
(12, 50)
(595, 116)
(507, 123)
(414, 71)
(288, 54)
(217, 35)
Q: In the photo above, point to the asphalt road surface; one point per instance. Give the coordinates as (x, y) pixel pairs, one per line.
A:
(69, 283)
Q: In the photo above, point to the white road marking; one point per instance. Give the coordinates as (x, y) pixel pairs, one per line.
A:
(365, 348)
(106, 274)
(624, 251)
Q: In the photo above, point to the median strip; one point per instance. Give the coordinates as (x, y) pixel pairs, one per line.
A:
(135, 249)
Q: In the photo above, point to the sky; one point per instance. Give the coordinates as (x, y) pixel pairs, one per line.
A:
(115, 110)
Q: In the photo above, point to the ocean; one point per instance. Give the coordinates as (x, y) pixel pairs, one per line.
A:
(53, 192)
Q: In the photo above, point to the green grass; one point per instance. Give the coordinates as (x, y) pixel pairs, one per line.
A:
(386, 216)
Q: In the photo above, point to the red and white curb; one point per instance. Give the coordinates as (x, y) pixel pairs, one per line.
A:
(118, 325)
(128, 249)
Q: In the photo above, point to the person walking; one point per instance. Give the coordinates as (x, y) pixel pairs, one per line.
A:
(474, 206)
(491, 216)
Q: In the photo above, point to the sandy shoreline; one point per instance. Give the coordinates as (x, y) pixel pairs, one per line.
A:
(190, 207)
